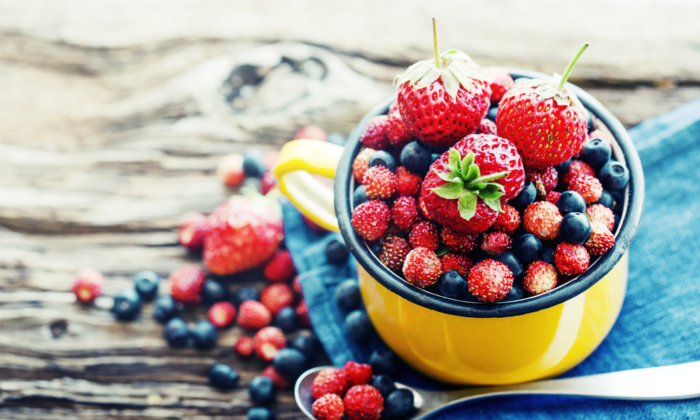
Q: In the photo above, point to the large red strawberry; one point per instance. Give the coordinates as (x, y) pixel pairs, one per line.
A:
(464, 188)
(443, 99)
(544, 119)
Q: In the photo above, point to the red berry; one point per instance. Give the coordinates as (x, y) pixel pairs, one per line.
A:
(357, 373)
(361, 164)
(571, 259)
(456, 262)
(508, 221)
(399, 134)
(540, 277)
(267, 342)
(303, 314)
(192, 231)
(601, 214)
(545, 180)
(576, 168)
(393, 253)
(329, 381)
(244, 346)
(363, 402)
(588, 186)
(490, 281)
(500, 83)
(394, 109)
(487, 127)
(186, 285)
(542, 219)
(493, 243)
(277, 296)
(458, 242)
(371, 219)
(310, 132)
(407, 183)
(253, 315)
(230, 170)
(553, 197)
(405, 213)
(601, 240)
(425, 234)
(602, 134)
(221, 314)
(88, 285)
(296, 286)
(422, 267)
(280, 268)
(380, 183)
(280, 381)
(376, 134)
(328, 407)
(268, 182)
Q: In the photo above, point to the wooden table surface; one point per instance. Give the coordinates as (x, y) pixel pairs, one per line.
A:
(113, 116)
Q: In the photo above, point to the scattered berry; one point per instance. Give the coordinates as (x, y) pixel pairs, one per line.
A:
(287, 319)
(305, 344)
(277, 296)
(347, 295)
(601, 214)
(260, 413)
(601, 240)
(146, 284)
(511, 261)
(88, 285)
(383, 158)
(571, 202)
(384, 384)
(244, 346)
(290, 363)
(328, 407)
(310, 132)
(614, 176)
(452, 284)
(508, 221)
(500, 83)
(576, 168)
(357, 326)
(527, 247)
(376, 134)
(280, 268)
(490, 281)
(261, 390)
(361, 164)
(589, 187)
(399, 403)
(254, 162)
(296, 286)
(383, 362)
(575, 228)
(127, 305)
(221, 314)
(253, 315)
(357, 373)
(303, 314)
(245, 293)
(553, 197)
(494, 243)
(405, 213)
(571, 259)
(204, 335)
(280, 381)
(422, 267)
(176, 333)
(267, 342)
(606, 199)
(192, 231)
(516, 293)
(456, 262)
(525, 197)
(399, 134)
(380, 183)
(359, 196)
(407, 183)
(542, 219)
(230, 170)
(487, 127)
(186, 285)
(460, 243)
(416, 158)
(540, 277)
(371, 219)
(363, 402)
(548, 255)
(166, 309)
(329, 381)
(425, 234)
(213, 292)
(222, 376)
(545, 180)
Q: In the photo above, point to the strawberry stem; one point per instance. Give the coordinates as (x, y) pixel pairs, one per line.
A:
(570, 67)
(438, 64)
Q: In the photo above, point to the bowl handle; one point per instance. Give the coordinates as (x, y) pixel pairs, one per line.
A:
(298, 160)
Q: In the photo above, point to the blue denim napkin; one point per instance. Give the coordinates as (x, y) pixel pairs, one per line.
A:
(660, 320)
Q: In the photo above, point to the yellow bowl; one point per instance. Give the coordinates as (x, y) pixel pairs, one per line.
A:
(466, 342)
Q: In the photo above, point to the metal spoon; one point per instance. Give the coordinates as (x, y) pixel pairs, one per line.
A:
(674, 382)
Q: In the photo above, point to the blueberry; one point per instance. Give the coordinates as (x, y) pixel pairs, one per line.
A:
(469, 297)
(336, 252)
(245, 293)
(617, 201)
(213, 292)
(525, 197)
(261, 390)
(510, 260)
(563, 167)
(516, 293)
(614, 176)
(493, 112)
(336, 138)
(254, 162)
(304, 344)
(434, 157)
(166, 309)
(358, 326)
(290, 363)
(548, 255)
(399, 403)
(571, 202)
(146, 284)
(416, 158)
(452, 285)
(347, 295)
(382, 158)
(223, 376)
(204, 335)
(384, 384)
(176, 332)
(260, 413)
(287, 319)
(596, 153)
(606, 199)
(383, 362)
(127, 305)
(376, 248)
(575, 228)
(617, 221)
(359, 196)
(527, 247)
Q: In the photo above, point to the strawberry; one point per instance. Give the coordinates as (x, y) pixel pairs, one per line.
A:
(253, 315)
(277, 296)
(221, 314)
(371, 219)
(192, 231)
(280, 269)
(542, 219)
(588, 186)
(458, 242)
(310, 132)
(357, 373)
(186, 285)
(464, 187)
(280, 381)
(328, 407)
(407, 183)
(422, 267)
(444, 99)
(244, 346)
(267, 342)
(601, 214)
(456, 262)
(601, 240)
(545, 180)
(363, 402)
(553, 197)
(303, 314)
(544, 119)
(490, 281)
(405, 213)
(577, 167)
(425, 234)
(493, 243)
(571, 259)
(88, 285)
(329, 381)
(399, 134)
(268, 182)
(230, 170)
(508, 221)
(394, 252)
(487, 127)
(394, 110)
(380, 183)
(540, 277)
(361, 164)
(296, 286)
(376, 134)
(500, 83)
(244, 232)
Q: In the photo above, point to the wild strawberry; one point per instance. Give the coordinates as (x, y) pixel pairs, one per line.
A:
(553, 197)
(490, 281)
(371, 219)
(280, 268)
(405, 213)
(456, 262)
(192, 231)
(487, 127)
(268, 182)
(376, 134)
(380, 183)
(88, 285)
(458, 242)
(571, 259)
(508, 221)
(499, 82)
(576, 168)
(244, 232)
(464, 187)
(361, 164)
(186, 285)
(394, 110)
(425, 234)
(422, 267)
(357, 373)
(230, 170)
(545, 180)
(407, 183)
(303, 314)
(267, 342)
(329, 381)
(399, 134)
(328, 407)
(493, 243)
(244, 346)
(542, 219)
(221, 314)
(444, 99)
(363, 402)
(601, 240)
(540, 277)
(280, 381)
(310, 132)
(277, 296)
(394, 252)
(253, 315)
(589, 187)
(394, 230)
(601, 214)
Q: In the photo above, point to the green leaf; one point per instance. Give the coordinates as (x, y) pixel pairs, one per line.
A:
(467, 162)
(493, 204)
(455, 159)
(467, 205)
(442, 250)
(486, 194)
(432, 75)
(472, 173)
(448, 176)
(419, 72)
(450, 190)
(491, 177)
(451, 84)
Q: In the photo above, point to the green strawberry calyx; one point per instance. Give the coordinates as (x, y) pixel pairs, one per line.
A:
(465, 183)
(454, 68)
